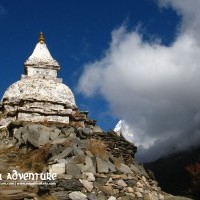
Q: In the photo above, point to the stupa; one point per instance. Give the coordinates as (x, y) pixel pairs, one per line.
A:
(40, 96)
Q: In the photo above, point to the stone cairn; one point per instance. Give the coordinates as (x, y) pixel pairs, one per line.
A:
(39, 112)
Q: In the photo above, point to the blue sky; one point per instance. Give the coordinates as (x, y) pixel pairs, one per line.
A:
(77, 32)
(136, 60)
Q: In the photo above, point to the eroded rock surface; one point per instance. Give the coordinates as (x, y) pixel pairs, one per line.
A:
(86, 168)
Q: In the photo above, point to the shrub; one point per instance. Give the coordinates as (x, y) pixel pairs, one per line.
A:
(35, 160)
(98, 148)
(194, 171)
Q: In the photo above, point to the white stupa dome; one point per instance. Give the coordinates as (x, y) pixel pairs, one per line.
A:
(40, 81)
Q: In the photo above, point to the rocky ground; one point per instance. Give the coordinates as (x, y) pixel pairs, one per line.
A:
(89, 164)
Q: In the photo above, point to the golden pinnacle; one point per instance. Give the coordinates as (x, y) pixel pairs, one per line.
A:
(41, 38)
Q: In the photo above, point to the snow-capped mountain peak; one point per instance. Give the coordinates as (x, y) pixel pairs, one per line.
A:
(122, 128)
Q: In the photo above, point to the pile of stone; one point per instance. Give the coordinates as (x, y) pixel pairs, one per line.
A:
(90, 164)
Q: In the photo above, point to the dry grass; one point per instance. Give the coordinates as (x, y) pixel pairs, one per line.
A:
(35, 160)
(45, 123)
(8, 150)
(98, 148)
(118, 161)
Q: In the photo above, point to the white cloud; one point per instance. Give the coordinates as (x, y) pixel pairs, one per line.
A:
(153, 87)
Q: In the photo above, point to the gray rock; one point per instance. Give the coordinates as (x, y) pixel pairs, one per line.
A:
(38, 139)
(97, 129)
(68, 131)
(25, 137)
(56, 149)
(83, 144)
(18, 137)
(138, 194)
(73, 169)
(79, 155)
(112, 198)
(86, 131)
(131, 183)
(101, 196)
(92, 196)
(89, 166)
(88, 176)
(80, 134)
(107, 189)
(58, 141)
(111, 166)
(87, 184)
(71, 184)
(89, 154)
(128, 198)
(64, 154)
(121, 183)
(61, 136)
(138, 169)
(102, 165)
(57, 168)
(37, 128)
(62, 195)
(77, 195)
(38, 134)
(54, 135)
(18, 133)
(55, 129)
(72, 135)
(150, 196)
(101, 181)
(63, 161)
(124, 169)
(64, 176)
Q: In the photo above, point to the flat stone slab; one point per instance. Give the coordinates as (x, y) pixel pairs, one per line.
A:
(62, 155)
(57, 168)
(102, 166)
(58, 141)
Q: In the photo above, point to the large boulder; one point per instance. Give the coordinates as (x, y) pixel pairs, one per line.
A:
(35, 134)
(38, 135)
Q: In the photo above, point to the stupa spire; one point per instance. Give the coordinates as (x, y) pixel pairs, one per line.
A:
(41, 57)
(41, 38)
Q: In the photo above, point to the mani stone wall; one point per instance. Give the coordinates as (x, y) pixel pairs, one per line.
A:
(40, 96)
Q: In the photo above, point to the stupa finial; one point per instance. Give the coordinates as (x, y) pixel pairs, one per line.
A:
(41, 38)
